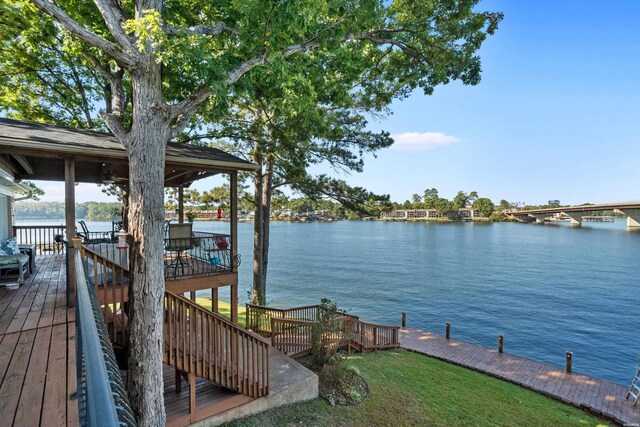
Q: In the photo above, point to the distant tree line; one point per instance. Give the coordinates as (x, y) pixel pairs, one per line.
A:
(90, 211)
(431, 199)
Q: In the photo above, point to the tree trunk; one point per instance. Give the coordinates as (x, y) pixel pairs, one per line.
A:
(263, 191)
(267, 191)
(146, 145)
(258, 291)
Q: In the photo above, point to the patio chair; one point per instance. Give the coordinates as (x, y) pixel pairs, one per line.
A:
(180, 240)
(93, 237)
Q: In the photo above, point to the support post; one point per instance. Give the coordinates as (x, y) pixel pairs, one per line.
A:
(70, 218)
(404, 319)
(192, 397)
(569, 362)
(233, 213)
(500, 343)
(233, 301)
(192, 296)
(576, 218)
(447, 334)
(539, 218)
(214, 300)
(180, 205)
(633, 217)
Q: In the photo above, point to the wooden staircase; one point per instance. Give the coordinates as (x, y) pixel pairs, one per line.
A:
(197, 342)
(201, 343)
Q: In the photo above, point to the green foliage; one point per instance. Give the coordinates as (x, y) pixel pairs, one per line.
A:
(327, 337)
(91, 211)
(485, 206)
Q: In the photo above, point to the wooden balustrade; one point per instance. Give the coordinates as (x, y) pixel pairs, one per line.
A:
(295, 336)
(42, 236)
(258, 318)
(111, 283)
(206, 344)
(292, 337)
(369, 336)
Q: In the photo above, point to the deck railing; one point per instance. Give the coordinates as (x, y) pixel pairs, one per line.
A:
(42, 236)
(110, 281)
(203, 254)
(258, 318)
(369, 336)
(102, 399)
(291, 329)
(222, 353)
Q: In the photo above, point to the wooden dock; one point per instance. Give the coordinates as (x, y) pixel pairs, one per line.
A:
(37, 350)
(600, 397)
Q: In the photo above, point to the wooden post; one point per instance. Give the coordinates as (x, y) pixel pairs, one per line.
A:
(404, 319)
(192, 397)
(180, 205)
(233, 212)
(500, 343)
(569, 362)
(192, 295)
(233, 301)
(70, 217)
(447, 334)
(214, 300)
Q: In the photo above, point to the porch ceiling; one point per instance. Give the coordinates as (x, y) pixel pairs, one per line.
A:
(38, 151)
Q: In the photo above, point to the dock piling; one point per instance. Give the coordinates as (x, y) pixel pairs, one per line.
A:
(500, 343)
(448, 331)
(569, 362)
(404, 319)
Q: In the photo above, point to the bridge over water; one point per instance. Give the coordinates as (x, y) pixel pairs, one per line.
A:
(630, 209)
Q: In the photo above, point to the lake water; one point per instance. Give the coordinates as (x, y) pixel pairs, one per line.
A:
(548, 289)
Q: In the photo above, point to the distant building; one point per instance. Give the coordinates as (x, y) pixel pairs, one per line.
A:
(468, 212)
(411, 214)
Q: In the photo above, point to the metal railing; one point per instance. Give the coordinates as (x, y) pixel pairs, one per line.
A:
(46, 238)
(202, 254)
(102, 399)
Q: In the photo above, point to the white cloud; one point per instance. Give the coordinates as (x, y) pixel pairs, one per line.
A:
(420, 141)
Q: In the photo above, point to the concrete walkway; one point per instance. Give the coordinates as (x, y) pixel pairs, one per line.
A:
(600, 397)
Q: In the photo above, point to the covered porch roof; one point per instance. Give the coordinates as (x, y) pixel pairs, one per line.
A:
(38, 151)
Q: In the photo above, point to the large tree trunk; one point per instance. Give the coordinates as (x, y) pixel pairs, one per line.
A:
(262, 197)
(258, 291)
(146, 149)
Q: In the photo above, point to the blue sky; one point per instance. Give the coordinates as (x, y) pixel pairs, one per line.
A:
(556, 116)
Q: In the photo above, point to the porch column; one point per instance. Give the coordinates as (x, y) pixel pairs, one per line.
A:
(233, 210)
(214, 300)
(70, 216)
(181, 205)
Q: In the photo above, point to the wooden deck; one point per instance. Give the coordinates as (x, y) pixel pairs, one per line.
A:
(210, 399)
(600, 397)
(37, 350)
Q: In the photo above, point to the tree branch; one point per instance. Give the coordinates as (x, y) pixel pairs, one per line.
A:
(113, 17)
(76, 29)
(204, 30)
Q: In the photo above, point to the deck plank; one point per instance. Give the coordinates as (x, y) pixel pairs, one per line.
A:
(55, 393)
(37, 355)
(28, 413)
(11, 387)
(596, 395)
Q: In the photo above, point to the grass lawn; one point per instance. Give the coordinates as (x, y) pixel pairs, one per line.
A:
(224, 308)
(408, 389)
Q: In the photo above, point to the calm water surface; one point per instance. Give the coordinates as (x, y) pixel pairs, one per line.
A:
(548, 289)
